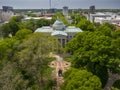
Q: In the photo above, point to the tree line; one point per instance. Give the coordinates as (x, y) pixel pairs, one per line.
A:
(95, 53)
(24, 57)
(24, 60)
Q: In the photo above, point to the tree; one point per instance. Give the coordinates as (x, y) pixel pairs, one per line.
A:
(5, 29)
(116, 34)
(43, 22)
(32, 15)
(111, 26)
(14, 27)
(114, 88)
(9, 28)
(106, 30)
(61, 17)
(76, 79)
(16, 18)
(11, 79)
(33, 59)
(30, 24)
(117, 84)
(94, 51)
(76, 18)
(8, 48)
(24, 61)
(85, 25)
(22, 34)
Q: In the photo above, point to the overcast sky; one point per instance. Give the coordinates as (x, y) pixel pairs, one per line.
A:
(39, 4)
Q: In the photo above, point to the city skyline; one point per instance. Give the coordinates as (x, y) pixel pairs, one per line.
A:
(75, 4)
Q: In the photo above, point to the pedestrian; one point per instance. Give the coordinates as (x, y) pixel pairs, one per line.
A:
(59, 72)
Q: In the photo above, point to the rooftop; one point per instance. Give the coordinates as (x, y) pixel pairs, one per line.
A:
(59, 29)
(58, 25)
(59, 33)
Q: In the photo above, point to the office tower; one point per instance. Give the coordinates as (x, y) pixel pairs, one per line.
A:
(7, 8)
(65, 11)
(92, 9)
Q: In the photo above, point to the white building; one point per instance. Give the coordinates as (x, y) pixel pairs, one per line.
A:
(65, 11)
(35, 18)
(59, 30)
(5, 16)
(105, 17)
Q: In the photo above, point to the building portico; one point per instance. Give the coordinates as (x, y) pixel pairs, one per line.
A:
(59, 30)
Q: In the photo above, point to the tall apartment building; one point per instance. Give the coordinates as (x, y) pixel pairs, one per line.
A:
(65, 11)
(7, 9)
(92, 9)
(6, 13)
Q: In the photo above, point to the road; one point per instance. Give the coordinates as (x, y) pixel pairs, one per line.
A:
(58, 64)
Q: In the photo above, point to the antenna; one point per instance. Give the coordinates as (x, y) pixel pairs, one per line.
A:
(50, 3)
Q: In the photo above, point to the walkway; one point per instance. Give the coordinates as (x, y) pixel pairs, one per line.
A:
(58, 64)
(112, 78)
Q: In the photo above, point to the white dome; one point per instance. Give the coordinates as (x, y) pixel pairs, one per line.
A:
(58, 25)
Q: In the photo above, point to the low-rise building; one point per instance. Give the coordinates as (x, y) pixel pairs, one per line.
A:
(5, 16)
(105, 18)
(59, 30)
(35, 18)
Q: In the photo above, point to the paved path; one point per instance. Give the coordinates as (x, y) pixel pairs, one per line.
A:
(112, 78)
(58, 64)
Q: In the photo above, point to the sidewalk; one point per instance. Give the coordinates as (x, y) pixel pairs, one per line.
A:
(58, 64)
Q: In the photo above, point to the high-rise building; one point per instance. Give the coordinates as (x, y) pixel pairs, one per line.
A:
(6, 13)
(7, 8)
(92, 9)
(52, 10)
(65, 10)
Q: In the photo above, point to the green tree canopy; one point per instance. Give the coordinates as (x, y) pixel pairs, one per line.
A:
(11, 79)
(86, 25)
(30, 24)
(95, 52)
(21, 34)
(16, 18)
(106, 30)
(81, 80)
(7, 48)
(43, 22)
(116, 34)
(25, 64)
(33, 59)
(9, 28)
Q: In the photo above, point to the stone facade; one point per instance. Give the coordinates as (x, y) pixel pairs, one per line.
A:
(59, 30)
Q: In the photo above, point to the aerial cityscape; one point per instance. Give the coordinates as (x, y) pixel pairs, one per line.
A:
(60, 45)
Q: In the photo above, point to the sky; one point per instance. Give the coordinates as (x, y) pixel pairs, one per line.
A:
(75, 4)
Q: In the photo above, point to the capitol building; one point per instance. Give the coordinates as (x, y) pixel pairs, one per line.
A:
(59, 30)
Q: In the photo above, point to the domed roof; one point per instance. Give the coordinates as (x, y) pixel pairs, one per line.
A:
(58, 25)
(59, 33)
